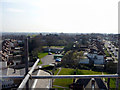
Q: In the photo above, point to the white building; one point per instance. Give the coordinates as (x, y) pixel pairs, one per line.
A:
(85, 60)
(5, 83)
(97, 58)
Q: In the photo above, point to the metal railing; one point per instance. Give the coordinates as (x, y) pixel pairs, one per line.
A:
(28, 75)
(58, 76)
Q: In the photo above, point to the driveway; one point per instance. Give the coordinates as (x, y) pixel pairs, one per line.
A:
(47, 60)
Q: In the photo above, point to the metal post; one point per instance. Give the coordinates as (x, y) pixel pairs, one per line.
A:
(28, 76)
(53, 71)
(108, 83)
(118, 67)
(26, 61)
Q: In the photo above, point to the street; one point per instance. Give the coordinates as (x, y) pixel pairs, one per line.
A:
(47, 60)
(109, 44)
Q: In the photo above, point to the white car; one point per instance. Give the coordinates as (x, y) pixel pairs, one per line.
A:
(49, 53)
(39, 67)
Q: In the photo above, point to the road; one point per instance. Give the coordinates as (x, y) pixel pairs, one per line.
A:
(43, 83)
(47, 60)
(109, 44)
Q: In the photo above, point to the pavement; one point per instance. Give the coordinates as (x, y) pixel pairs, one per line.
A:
(41, 83)
(58, 73)
(13, 72)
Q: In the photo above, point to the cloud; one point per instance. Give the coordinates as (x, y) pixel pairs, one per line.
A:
(15, 10)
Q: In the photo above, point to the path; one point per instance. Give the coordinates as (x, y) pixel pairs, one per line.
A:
(58, 73)
(41, 83)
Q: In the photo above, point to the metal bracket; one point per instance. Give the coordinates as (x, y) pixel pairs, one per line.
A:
(30, 76)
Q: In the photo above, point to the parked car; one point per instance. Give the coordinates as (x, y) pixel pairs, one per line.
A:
(58, 60)
(58, 52)
(39, 67)
(49, 53)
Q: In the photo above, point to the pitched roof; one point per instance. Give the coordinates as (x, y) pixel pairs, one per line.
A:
(83, 81)
(100, 53)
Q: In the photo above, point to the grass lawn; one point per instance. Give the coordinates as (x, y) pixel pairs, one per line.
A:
(40, 62)
(67, 71)
(45, 66)
(112, 83)
(56, 72)
(41, 55)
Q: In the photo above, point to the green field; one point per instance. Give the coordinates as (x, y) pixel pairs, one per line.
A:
(41, 55)
(67, 71)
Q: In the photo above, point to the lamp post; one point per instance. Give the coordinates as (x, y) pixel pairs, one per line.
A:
(74, 47)
(26, 61)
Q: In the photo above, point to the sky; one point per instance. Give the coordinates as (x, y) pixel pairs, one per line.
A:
(67, 16)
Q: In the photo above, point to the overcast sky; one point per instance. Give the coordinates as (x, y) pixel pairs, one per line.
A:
(68, 16)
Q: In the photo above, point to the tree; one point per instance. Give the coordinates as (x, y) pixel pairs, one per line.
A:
(67, 60)
(68, 47)
(72, 59)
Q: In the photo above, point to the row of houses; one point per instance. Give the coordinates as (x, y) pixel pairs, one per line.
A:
(12, 51)
(11, 54)
(93, 54)
(86, 84)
